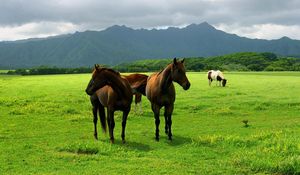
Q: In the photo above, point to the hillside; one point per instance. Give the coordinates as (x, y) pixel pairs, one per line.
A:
(119, 44)
(244, 61)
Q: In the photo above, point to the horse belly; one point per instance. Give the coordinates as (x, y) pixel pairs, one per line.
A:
(214, 75)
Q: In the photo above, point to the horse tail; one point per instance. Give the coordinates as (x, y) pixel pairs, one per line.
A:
(138, 98)
(142, 89)
(102, 117)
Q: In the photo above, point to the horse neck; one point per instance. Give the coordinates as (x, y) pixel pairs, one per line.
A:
(117, 83)
(166, 79)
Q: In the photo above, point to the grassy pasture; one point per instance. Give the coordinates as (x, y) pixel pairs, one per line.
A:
(3, 71)
(46, 128)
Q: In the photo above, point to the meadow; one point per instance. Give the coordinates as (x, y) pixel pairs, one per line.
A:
(3, 71)
(46, 127)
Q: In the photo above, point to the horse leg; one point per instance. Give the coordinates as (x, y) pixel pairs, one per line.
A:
(111, 124)
(138, 101)
(168, 116)
(135, 103)
(209, 82)
(102, 118)
(141, 110)
(124, 119)
(95, 121)
(155, 109)
(95, 103)
(166, 123)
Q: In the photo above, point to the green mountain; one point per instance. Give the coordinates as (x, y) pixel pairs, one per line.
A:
(119, 44)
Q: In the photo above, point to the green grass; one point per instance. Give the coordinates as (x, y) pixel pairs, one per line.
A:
(3, 71)
(46, 128)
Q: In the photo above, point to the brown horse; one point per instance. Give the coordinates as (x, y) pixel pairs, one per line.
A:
(108, 89)
(161, 92)
(138, 85)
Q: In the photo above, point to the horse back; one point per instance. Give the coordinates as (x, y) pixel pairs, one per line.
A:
(132, 78)
(137, 82)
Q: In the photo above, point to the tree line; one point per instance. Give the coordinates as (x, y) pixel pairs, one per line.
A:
(45, 70)
(245, 61)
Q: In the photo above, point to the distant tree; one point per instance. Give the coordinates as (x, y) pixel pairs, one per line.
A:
(270, 56)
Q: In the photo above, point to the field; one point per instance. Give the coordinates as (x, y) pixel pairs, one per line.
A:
(3, 71)
(46, 128)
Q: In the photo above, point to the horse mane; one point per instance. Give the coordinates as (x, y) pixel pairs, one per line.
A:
(166, 79)
(113, 71)
(108, 69)
(164, 68)
(117, 86)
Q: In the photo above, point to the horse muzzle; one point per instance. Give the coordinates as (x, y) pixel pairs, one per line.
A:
(187, 86)
(89, 92)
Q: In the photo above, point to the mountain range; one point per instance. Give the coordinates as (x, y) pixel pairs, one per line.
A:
(118, 44)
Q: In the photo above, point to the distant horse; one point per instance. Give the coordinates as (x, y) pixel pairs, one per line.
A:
(108, 89)
(216, 75)
(138, 85)
(161, 92)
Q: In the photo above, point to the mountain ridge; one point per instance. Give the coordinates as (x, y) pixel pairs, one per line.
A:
(120, 43)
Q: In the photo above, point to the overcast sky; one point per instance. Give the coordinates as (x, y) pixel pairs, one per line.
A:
(267, 19)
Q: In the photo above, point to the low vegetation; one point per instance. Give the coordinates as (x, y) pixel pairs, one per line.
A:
(45, 70)
(46, 127)
(246, 61)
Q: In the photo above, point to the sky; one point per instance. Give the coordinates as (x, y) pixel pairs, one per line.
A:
(263, 19)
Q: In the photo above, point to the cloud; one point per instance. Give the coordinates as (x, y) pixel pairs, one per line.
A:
(36, 30)
(262, 31)
(100, 14)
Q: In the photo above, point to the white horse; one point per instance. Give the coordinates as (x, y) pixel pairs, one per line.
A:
(216, 75)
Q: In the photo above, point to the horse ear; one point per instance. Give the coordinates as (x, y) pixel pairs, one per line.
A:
(182, 61)
(97, 66)
(175, 61)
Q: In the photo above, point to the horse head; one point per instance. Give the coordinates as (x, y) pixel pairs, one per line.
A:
(224, 82)
(97, 81)
(178, 74)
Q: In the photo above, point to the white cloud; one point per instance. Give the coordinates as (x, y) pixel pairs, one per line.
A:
(36, 30)
(262, 31)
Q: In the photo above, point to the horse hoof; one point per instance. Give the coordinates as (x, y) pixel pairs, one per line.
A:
(123, 141)
(157, 138)
(112, 141)
(96, 137)
(170, 138)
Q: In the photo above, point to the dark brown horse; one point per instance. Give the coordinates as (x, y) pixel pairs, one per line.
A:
(138, 85)
(108, 89)
(161, 92)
